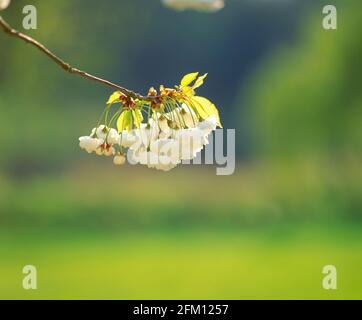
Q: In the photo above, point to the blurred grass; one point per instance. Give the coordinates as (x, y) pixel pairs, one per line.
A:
(100, 232)
(93, 193)
(280, 262)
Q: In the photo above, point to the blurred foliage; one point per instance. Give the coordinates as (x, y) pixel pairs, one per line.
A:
(283, 262)
(95, 196)
(133, 47)
(306, 101)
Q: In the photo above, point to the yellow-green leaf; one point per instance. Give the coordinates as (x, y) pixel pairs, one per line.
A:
(198, 108)
(200, 81)
(207, 107)
(137, 117)
(114, 98)
(187, 79)
(125, 121)
(188, 91)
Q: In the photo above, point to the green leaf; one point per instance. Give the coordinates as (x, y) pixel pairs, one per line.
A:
(188, 91)
(207, 107)
(125, 121)
(198, 108)
(137, 117)
(187, 79)
(114, 98)
(200, 81)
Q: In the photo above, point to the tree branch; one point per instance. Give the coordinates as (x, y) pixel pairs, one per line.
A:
(66, 66)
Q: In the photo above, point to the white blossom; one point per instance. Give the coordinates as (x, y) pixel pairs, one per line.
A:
(89, 144)
(168, 148)
(100, 132)
(137, 153)
(108, 135)
(150, 146)
(148, 158)
(165, 134)
(208, 125)
(127, 139)
(146, 133)
(165, 163)
(112, 137)
(190, 142)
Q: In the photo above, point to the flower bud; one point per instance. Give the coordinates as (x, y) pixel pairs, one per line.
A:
(119, 160)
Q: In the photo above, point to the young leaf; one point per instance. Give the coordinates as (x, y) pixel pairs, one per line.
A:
(208, 107)
(188, 91)
(200, 81)
(187, 79)
(114, 98)
(198, 108)
(125, 121)
(137, 117)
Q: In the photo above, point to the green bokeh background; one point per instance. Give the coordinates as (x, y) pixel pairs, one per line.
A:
(292, 91)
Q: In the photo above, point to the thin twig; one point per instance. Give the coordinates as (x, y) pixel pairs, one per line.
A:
(66, 66)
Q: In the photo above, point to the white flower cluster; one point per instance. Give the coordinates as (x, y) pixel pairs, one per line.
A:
(162, 143)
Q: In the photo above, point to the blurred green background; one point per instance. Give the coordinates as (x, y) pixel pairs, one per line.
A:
(290, 88)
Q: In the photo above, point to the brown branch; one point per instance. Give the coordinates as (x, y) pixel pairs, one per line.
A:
(64, 65)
